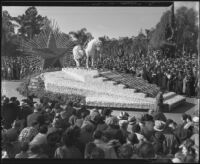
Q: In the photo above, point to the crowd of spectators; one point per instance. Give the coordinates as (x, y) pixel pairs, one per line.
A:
(15, 68)
(171, 74)
(49, 129)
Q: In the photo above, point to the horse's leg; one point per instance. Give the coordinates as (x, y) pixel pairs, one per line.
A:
(87, 62)
(77, 63)
(92, 57)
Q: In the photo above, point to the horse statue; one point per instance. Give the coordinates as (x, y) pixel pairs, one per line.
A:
(92, 48)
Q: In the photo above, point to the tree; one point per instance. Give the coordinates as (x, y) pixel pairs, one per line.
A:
(82, 36)
(9, 40)
(30, 23)
(187, 30)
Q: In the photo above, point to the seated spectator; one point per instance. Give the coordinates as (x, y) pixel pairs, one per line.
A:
(24, 146)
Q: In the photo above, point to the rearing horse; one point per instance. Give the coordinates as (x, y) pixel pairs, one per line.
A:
(90, 51)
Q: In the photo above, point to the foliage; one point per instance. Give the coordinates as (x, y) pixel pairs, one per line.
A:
(81, 36)
(183, 32)
(30, 23)
(9, 40)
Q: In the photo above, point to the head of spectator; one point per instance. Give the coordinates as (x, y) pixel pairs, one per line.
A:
(125, 151)
(146, 151)
(112, 121)
(43, 129)
(123, 116)
(37, 107)
(147, 123)
(132, 139)
(95, 117)
(106, 112)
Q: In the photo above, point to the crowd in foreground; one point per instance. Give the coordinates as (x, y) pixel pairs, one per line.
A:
(49, 129)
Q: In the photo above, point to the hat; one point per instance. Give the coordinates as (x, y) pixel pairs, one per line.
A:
(132, 120)
(123, 116)
(146, 117)
(195, 119)
(159, 125)
(112, 121)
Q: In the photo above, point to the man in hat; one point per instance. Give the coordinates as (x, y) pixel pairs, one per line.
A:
(159, 143)
(147, 126)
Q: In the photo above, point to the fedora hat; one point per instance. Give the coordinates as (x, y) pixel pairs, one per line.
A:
(123, 116)
(159, 125)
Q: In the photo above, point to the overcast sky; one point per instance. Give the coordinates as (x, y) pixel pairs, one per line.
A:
(111, 21)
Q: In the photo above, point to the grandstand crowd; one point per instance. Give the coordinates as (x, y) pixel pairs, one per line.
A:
(49, 129)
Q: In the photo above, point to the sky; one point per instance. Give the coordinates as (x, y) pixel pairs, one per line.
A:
(113, 22)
